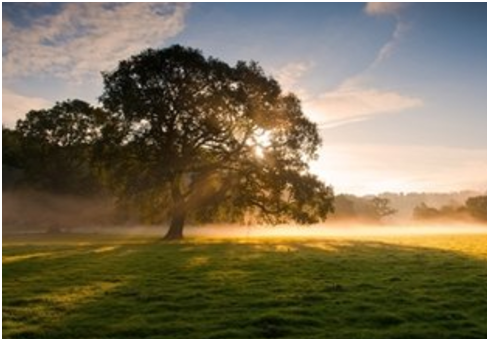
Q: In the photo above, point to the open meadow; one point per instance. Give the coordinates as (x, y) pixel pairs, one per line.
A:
(103, 286)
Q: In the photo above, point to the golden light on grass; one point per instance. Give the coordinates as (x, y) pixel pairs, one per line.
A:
(420, 234)
(18, 258)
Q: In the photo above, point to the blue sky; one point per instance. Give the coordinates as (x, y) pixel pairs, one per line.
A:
(398, 90)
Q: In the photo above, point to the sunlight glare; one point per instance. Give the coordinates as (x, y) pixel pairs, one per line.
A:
(259, 152)
(342, 230)
(260, 141)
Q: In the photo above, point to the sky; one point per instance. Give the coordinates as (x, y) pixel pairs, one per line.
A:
(398, 90)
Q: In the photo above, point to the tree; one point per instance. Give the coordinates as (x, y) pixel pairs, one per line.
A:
(423, 211)
(446, 212)
(55, 147)
(189, 132)
(381, 207)
(477, 207)
(11, 158)
(344, 207)
(366, 209)
(11, 147)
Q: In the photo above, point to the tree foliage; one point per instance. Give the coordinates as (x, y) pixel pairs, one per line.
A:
(12, 172)
(381, 207)
(192, 132)
(366, 209)
(423, 211)
(477, 207)
(53, 147)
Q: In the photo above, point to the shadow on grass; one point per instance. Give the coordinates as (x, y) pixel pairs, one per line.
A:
(263, 289)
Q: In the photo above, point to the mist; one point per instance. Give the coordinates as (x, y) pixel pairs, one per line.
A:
(30, 211)
(333, 230)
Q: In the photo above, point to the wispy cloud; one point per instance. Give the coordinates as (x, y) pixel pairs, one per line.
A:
(354, 100)
(15, 106)
(384, 8)
(289, 75)
(388, 48)
(393, 9)
(82, 39)
(351, 103)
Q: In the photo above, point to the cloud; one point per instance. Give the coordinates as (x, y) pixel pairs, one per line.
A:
(82, 39)
(290, 74)
(388, 48)
(384, 8)
(388, 9)
(15, 106)
(351, 102)
(375, 168)
(354, 101)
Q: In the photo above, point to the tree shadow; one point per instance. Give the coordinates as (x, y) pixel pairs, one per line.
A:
(262, 289)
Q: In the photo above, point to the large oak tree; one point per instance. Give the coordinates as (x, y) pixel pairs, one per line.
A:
(188, 132)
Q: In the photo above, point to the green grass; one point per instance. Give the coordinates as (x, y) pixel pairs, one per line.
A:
(106, 287)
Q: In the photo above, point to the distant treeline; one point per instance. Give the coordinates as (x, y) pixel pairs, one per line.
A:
(365, 209)
(400, 207)
(475, 208)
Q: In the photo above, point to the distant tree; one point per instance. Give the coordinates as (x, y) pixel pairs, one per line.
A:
(381, 207)
(365, 209)
(423, 212)
(188, 132)
(446, 212)
(477, 207)
(53, 147)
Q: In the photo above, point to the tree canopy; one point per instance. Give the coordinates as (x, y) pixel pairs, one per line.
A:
(191, 132)
(477, 207)
(52, 147)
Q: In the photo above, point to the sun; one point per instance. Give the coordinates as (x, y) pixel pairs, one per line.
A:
(260, 141)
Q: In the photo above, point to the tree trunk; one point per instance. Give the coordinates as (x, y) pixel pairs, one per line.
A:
(175, 232)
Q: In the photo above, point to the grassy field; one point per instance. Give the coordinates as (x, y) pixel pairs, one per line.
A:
(96, 286)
